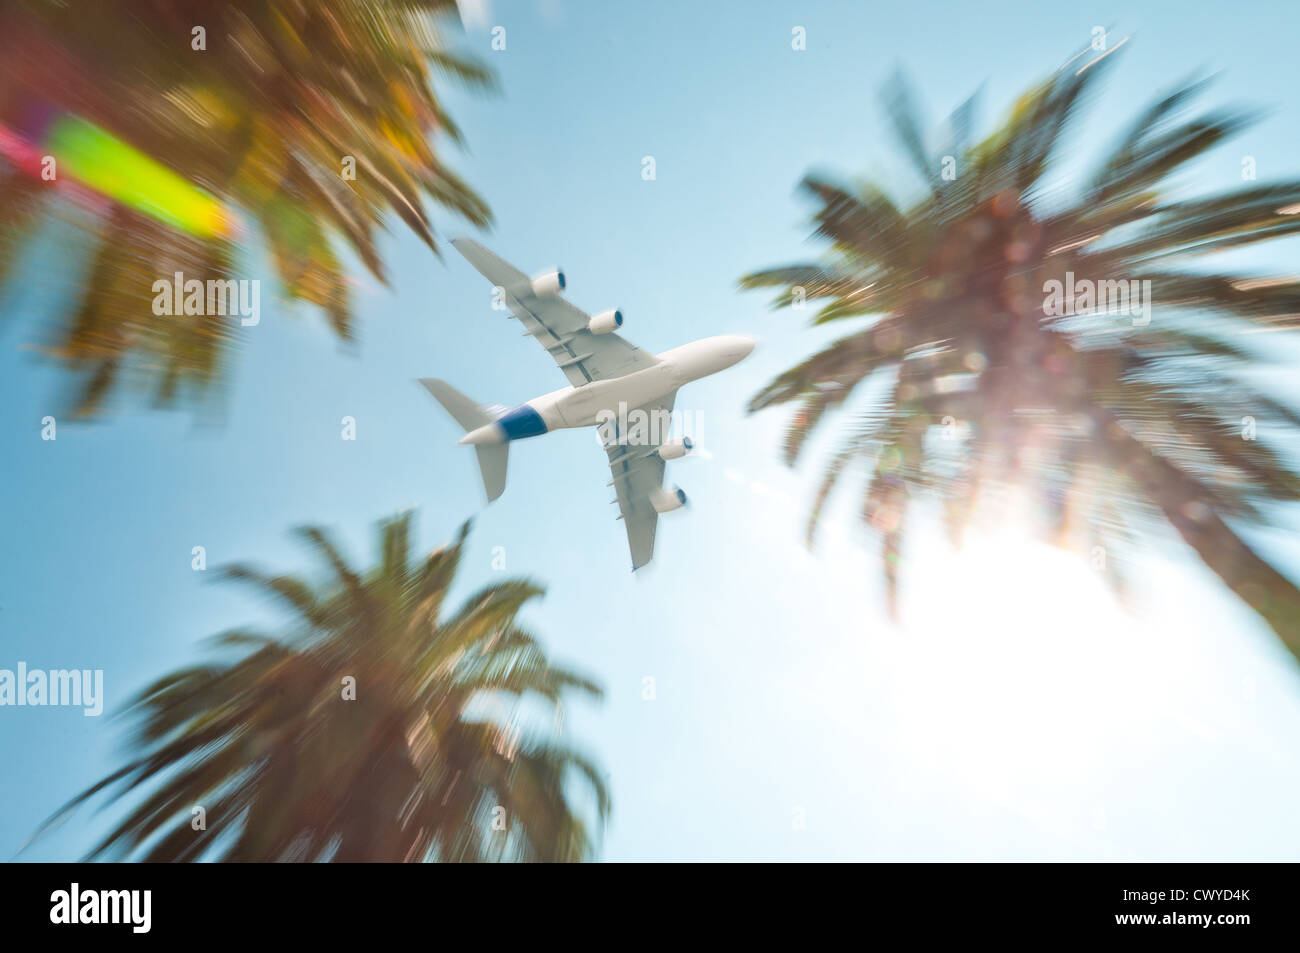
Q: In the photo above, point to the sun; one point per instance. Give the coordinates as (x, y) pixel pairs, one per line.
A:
(1007, 676)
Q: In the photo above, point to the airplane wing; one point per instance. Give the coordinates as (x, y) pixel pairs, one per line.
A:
(557, 325)
(637, 472)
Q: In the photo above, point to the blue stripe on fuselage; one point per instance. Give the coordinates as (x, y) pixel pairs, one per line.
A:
(521, 422)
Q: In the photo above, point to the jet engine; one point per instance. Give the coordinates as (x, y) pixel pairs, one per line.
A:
(665, 501)
(605, 322)
(549, 285)
(676, 448)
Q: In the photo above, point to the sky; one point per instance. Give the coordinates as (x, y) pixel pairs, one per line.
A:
(1016, 713)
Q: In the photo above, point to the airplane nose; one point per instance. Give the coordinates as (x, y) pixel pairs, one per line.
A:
(739, 347)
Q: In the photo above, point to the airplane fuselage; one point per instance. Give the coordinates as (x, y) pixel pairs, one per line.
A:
(585, 406)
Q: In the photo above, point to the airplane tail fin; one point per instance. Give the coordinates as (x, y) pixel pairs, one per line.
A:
(492, 458)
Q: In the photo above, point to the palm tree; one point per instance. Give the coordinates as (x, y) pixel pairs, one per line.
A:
(409, 763)
(271, 118)
(1106, 422)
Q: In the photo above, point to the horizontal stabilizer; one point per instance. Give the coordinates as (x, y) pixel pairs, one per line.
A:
(492, 465)
(464, 411)
(492, 458)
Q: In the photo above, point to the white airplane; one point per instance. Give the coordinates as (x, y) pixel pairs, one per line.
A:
(611, 380)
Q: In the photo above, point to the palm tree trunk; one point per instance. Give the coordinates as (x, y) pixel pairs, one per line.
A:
(1184, 503)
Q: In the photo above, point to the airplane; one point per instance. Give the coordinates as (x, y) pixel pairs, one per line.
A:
(609, 380)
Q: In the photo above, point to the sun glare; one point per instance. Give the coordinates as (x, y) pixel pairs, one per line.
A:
(1007, 676)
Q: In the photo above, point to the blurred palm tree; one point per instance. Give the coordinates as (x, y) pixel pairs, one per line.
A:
(1102, 421)
(416, 767)
(263, 119)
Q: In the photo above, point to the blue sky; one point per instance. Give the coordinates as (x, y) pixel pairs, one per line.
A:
(1018, 714)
